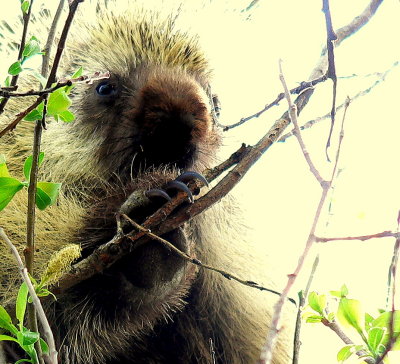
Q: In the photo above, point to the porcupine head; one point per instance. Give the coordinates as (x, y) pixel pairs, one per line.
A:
(145, 123)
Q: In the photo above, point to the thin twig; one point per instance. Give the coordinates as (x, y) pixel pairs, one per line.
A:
(303, 297)
(31, 211)
(35, 299)
(393, 270)
(294, 91)
(50, 39)
(195, 261)
(383, 234)
(26, 18)
(331, 72)
(296, 129)
(310, 123)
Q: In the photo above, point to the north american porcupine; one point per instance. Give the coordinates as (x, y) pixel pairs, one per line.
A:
(138, 130)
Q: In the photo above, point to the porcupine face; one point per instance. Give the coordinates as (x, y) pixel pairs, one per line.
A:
(152, 112)
(154, 109)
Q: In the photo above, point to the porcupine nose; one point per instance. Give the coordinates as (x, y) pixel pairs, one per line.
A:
(173, 119)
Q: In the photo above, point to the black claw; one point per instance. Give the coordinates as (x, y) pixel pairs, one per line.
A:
(188, 176)
(178, 185)
(155, 192)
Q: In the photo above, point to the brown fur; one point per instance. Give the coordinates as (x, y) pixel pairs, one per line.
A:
(149, 307)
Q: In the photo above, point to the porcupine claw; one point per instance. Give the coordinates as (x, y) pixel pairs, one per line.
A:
(178, 184)
(156, 192)
(188, 176)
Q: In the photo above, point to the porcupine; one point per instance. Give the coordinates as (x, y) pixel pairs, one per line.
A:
(143, 127)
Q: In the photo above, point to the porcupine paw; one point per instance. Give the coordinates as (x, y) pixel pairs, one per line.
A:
(149, 264)
(178, 184)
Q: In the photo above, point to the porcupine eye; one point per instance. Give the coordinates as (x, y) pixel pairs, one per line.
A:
(106, 89)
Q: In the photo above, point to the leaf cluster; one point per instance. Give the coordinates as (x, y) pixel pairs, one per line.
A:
(46, 192)
(376, 333)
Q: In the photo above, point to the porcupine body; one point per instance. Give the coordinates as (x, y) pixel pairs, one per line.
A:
(149, 122)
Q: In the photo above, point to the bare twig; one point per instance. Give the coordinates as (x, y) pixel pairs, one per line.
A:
(35, 299)
(383, 234)
(392, 271)
(303, 296)
(31, 212)
(310, 123)
(195, 261)
(26, 17)
(294, 91)
(50, 39)
(331, 72)
(268, 348)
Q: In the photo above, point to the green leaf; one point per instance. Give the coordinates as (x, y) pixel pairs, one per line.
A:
(32, 48)
(36, 114)
(27, 337)
(15, 68)
(4, 316)
(25, 7)
(44, 346)
(7, 338)
(314, 319)
(66, 116)
(5, 321)
(3, 166)
(344, 291)
(22, 361)
(368, 322)
(375, 336)
(317, 302)
(28, 165)
(350, 313)
(384, 321)
(345, 353)
(8, 188)
(58, 102)
(7, 81)
(331, 316)
(47, 192)
(78, 73)
(20, 306)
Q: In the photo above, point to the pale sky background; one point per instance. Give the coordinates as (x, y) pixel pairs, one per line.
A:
(280, 192)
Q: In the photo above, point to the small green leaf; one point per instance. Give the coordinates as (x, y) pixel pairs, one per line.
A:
(58, 102)
(331, 316)
(314, 319)
(22, 361)
(7, 81)
(350, 313)
(375, 336)
(317, 302)
(3, 166)
(8, 188)
(42, 199)
(36, 114)
(5, 321)
(27, 337)
(384, 321)
(25, 7)
(28, 164)
(15, 68)
(20, 306)
(344, 291)
(66, 116)
(4, 316)
(50, 190)
(78, 73)
(368, 322)
(345, 353)
(7, 338)
(32, 48)
(44, 346)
